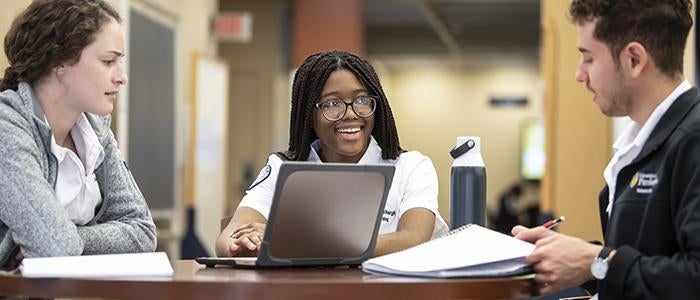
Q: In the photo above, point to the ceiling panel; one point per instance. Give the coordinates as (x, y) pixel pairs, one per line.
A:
(403, 27)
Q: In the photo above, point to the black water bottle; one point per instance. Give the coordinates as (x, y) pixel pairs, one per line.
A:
(467, 183)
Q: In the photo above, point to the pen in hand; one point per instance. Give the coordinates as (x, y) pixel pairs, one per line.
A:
(554, 222)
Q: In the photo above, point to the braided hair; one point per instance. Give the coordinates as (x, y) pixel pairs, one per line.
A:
(306, 91)
(50, 33)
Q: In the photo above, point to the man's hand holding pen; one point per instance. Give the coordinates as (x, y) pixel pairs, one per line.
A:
(559, 260)
(554, 222)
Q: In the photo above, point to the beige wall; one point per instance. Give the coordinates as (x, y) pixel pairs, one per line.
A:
(10, 9)
(578, 135)
(434, 102)
(259, 93)
(689, 55)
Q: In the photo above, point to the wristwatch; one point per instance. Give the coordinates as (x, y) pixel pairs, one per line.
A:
(599, 267)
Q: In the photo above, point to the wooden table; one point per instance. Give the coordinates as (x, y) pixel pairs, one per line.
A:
(192, 281)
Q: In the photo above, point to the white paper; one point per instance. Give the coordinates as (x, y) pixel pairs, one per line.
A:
(470, 251)
(109, 265)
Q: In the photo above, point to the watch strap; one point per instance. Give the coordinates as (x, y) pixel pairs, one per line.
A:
(604, 253)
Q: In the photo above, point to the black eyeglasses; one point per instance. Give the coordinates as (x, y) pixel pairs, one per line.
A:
(334, 109)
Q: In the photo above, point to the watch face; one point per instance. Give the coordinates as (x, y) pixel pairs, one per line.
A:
(599, 268)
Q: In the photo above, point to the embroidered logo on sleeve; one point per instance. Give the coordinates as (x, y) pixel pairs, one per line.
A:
(644, 182)
(264, 174)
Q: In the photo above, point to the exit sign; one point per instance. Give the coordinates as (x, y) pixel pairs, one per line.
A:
(234, 26)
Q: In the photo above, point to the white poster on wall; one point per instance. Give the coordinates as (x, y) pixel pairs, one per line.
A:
(209, 151)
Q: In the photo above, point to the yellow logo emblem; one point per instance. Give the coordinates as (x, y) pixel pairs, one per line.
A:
(634, 180)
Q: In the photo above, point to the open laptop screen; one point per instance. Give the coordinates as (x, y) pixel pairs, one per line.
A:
(323, 214)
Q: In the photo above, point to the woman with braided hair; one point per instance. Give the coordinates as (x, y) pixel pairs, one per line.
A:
(340, 114)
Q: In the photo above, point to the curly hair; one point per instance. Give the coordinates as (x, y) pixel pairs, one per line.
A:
(306, 91)
(662, 26)
(50, 33)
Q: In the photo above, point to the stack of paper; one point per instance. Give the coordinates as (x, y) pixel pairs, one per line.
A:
(133, 264)
(470, 251)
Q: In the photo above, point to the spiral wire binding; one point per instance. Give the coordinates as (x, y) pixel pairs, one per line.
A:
(451, 232)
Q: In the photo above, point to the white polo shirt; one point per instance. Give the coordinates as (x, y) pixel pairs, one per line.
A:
(76, 186)
(414, 185)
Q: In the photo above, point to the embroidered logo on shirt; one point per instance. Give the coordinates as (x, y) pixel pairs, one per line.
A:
(388, 214)
(264, 174)
(644, 182)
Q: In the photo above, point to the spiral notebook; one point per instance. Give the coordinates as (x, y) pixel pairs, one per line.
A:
(468, 251)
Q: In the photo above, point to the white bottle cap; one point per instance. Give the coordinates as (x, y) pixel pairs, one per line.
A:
(472, 157)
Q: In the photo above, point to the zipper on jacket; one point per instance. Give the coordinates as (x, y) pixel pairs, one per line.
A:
(103, 205)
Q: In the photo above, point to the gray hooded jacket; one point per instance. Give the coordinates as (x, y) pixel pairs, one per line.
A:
(31, 217)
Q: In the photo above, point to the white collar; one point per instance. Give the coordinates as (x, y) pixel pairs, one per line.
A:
(89, 149)
(372, 155)
(637, 136)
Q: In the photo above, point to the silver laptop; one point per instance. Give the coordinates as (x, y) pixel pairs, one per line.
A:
(321, 214)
